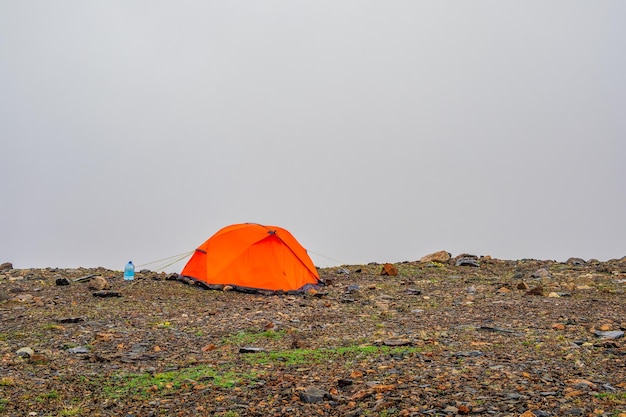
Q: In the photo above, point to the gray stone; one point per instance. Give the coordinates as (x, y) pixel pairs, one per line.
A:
(541, 273)
(78, 350)
(469, 354)
(615, 334)
(314, 395)
(575, 261)
(467, 262)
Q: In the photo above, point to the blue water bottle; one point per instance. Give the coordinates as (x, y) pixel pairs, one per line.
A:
(129, 271)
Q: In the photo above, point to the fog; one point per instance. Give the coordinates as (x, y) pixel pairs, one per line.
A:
(373, 131)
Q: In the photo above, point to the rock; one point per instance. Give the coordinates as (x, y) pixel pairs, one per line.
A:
(172, 277)
(78, 350)
(389, 270)
(467, 262)
(59, 280)
(4, 296)
(249, 349)
(522, 286)
(575, 261)
(314, 395)
(71, 320)
(106, 294)
(344, 382)
(615, 334)
(541, 273)
(396, 342)
(227, 288)
(99, 283)
(7, 266)
(23, 298)
(343, 271)
(469, 354)
(353, 288)
(535, 291)
(441, 257)
(25, 352)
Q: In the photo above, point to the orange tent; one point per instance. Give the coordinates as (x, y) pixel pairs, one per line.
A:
(252, 256)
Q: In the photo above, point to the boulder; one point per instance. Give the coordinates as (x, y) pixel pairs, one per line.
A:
(6, 266)
(99, 283)
(441, 257)
(390, 270)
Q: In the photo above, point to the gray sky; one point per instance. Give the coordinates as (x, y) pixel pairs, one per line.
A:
(373, 131)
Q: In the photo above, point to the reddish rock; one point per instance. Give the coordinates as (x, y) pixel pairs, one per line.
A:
(535, 291)
(390, 270)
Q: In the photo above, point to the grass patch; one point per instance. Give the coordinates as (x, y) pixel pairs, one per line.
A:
(245, 338)
(7, 381)
(196, 377)
(71, 411)
(614, 397)
(52, 395)
(314, 356)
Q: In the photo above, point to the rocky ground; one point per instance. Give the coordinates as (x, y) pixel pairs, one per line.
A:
(460, 336)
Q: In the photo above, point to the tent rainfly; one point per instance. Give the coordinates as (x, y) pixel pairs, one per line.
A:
(251, 256)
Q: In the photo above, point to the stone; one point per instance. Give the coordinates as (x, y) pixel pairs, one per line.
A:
(396, 342)
(59, 280)
(615, 334)
(78, 350)
(522, 286)
(249, 349)
(541, 273)
(467, 262)
(71, 320)
(25, 352)
(23, 298)
(344, 382)
(389, 270)
(6, 266)
(441, 257)
(535, 291)
(99, 283)
(314, 395)
(106, 294)
(469, 354)
(575, 261)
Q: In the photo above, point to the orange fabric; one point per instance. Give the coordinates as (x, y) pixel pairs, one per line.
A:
(254, 256)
